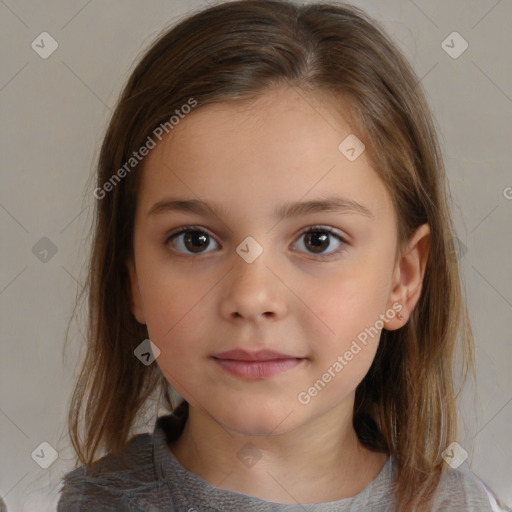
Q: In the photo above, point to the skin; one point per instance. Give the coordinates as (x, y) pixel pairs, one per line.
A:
(252, 158)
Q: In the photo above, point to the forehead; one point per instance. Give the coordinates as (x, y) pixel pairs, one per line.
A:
(282, 146)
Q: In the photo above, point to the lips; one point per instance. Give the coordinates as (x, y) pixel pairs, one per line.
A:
(260, 355)
(256, 365)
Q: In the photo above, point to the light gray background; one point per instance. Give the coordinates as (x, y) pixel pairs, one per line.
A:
(54, 113)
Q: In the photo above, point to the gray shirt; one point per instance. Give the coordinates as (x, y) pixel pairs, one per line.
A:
(147, 477)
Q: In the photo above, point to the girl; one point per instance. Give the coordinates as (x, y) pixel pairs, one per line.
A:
(273, 247)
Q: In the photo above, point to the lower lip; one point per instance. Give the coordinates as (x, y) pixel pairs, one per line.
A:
(257, 369)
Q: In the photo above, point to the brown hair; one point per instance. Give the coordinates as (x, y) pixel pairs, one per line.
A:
(405, 405)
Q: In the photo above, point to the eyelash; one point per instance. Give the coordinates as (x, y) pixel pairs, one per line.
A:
(320, 228)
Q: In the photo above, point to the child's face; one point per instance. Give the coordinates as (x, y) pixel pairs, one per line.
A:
(200, 297)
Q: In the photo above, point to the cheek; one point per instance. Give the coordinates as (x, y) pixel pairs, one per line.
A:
(353, 297)
(175, 315)
(346, 309)
(343, 354)
(172, 299)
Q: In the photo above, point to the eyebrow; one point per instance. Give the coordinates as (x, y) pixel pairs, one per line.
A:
(288, 210)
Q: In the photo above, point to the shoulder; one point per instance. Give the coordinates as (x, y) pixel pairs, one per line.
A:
(137, 479)
(111, 481)
(461, 491)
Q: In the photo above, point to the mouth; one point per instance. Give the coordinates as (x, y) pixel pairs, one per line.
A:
(260, 355)
(256, 365)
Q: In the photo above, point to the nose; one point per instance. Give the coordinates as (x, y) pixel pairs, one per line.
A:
(253, 291)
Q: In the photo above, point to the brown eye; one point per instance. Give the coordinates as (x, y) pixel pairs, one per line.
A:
(190, 241)
(318, 239)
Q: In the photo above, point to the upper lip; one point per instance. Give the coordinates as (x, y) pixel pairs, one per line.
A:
(260, 355)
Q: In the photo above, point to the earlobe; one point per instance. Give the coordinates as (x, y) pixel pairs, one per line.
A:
(408, 277)
(136, 299)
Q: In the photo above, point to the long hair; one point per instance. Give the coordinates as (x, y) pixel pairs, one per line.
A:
(234, 51)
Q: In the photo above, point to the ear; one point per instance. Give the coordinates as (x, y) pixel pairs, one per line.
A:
(408, 277)
(136, 299)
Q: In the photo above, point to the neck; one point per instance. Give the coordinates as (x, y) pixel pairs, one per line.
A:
(320, 461)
